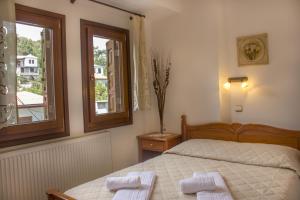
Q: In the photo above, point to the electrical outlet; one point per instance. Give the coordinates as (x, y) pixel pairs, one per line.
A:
(239, 108)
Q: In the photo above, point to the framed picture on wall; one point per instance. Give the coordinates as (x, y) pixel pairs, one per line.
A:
(253, 50)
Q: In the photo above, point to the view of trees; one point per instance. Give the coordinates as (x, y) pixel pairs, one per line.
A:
(25, 47)
(100, 58)
(101, 92)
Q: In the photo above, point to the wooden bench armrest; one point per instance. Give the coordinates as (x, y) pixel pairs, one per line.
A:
(56, 195)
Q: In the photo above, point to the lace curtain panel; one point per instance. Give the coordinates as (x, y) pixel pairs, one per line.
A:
(141, 90)
(7, 63)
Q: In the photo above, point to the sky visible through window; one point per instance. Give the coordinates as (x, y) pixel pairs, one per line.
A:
(30, 32)
(100, 43)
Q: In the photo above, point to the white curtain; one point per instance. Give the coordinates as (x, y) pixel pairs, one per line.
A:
(141, 90)
(7, 63)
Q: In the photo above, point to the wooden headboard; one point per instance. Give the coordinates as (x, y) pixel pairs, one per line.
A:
(251, 133)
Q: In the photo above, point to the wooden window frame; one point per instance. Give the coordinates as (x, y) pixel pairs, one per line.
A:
(93, 122)
(33, 132)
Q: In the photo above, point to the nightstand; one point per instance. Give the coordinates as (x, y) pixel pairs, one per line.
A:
(153, 144)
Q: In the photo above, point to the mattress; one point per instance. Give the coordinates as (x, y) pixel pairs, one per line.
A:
(267, 177)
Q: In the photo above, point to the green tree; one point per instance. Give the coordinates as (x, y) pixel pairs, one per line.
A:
(22, 80)
(26, 46)
(101, 91)
(36, 89)
(100, 58)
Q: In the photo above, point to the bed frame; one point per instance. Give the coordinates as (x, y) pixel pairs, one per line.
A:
(54, 194)
(251, 133)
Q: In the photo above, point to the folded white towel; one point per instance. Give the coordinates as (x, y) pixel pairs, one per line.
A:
(221, 193)
(142, 193)
(197, 184)
(116, 183)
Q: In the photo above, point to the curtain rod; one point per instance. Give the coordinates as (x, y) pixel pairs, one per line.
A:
(115, 7)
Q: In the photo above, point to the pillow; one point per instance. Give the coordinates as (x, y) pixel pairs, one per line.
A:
(266, 155)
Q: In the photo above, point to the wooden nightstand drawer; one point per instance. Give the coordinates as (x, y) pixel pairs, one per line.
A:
(153, 145)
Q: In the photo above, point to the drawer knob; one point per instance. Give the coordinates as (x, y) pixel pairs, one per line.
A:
(151, 144)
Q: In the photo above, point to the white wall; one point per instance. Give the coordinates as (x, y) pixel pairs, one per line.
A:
(124, 143)
(191, 38)
(274, 95)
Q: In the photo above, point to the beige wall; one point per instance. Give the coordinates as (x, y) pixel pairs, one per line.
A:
(274, 94)
(202, 40)
(124, 143)
(190, 37)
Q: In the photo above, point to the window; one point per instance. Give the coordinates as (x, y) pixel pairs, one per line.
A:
(41, 98)
(106, 97)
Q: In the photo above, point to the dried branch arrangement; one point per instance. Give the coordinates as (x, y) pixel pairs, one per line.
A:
(161, 75)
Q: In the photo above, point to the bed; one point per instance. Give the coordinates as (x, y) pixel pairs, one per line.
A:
(256, 161)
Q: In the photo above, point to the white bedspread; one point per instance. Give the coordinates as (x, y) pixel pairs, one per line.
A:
(246, 181)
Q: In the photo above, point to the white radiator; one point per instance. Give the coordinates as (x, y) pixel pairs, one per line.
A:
(26, 174)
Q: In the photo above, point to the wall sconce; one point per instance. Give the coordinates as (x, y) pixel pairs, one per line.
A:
(242, 80)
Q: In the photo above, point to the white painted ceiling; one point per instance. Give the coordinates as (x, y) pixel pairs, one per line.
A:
(156, 7)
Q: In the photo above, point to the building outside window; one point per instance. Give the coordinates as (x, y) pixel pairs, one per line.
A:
(41, 91)
(27, 65)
